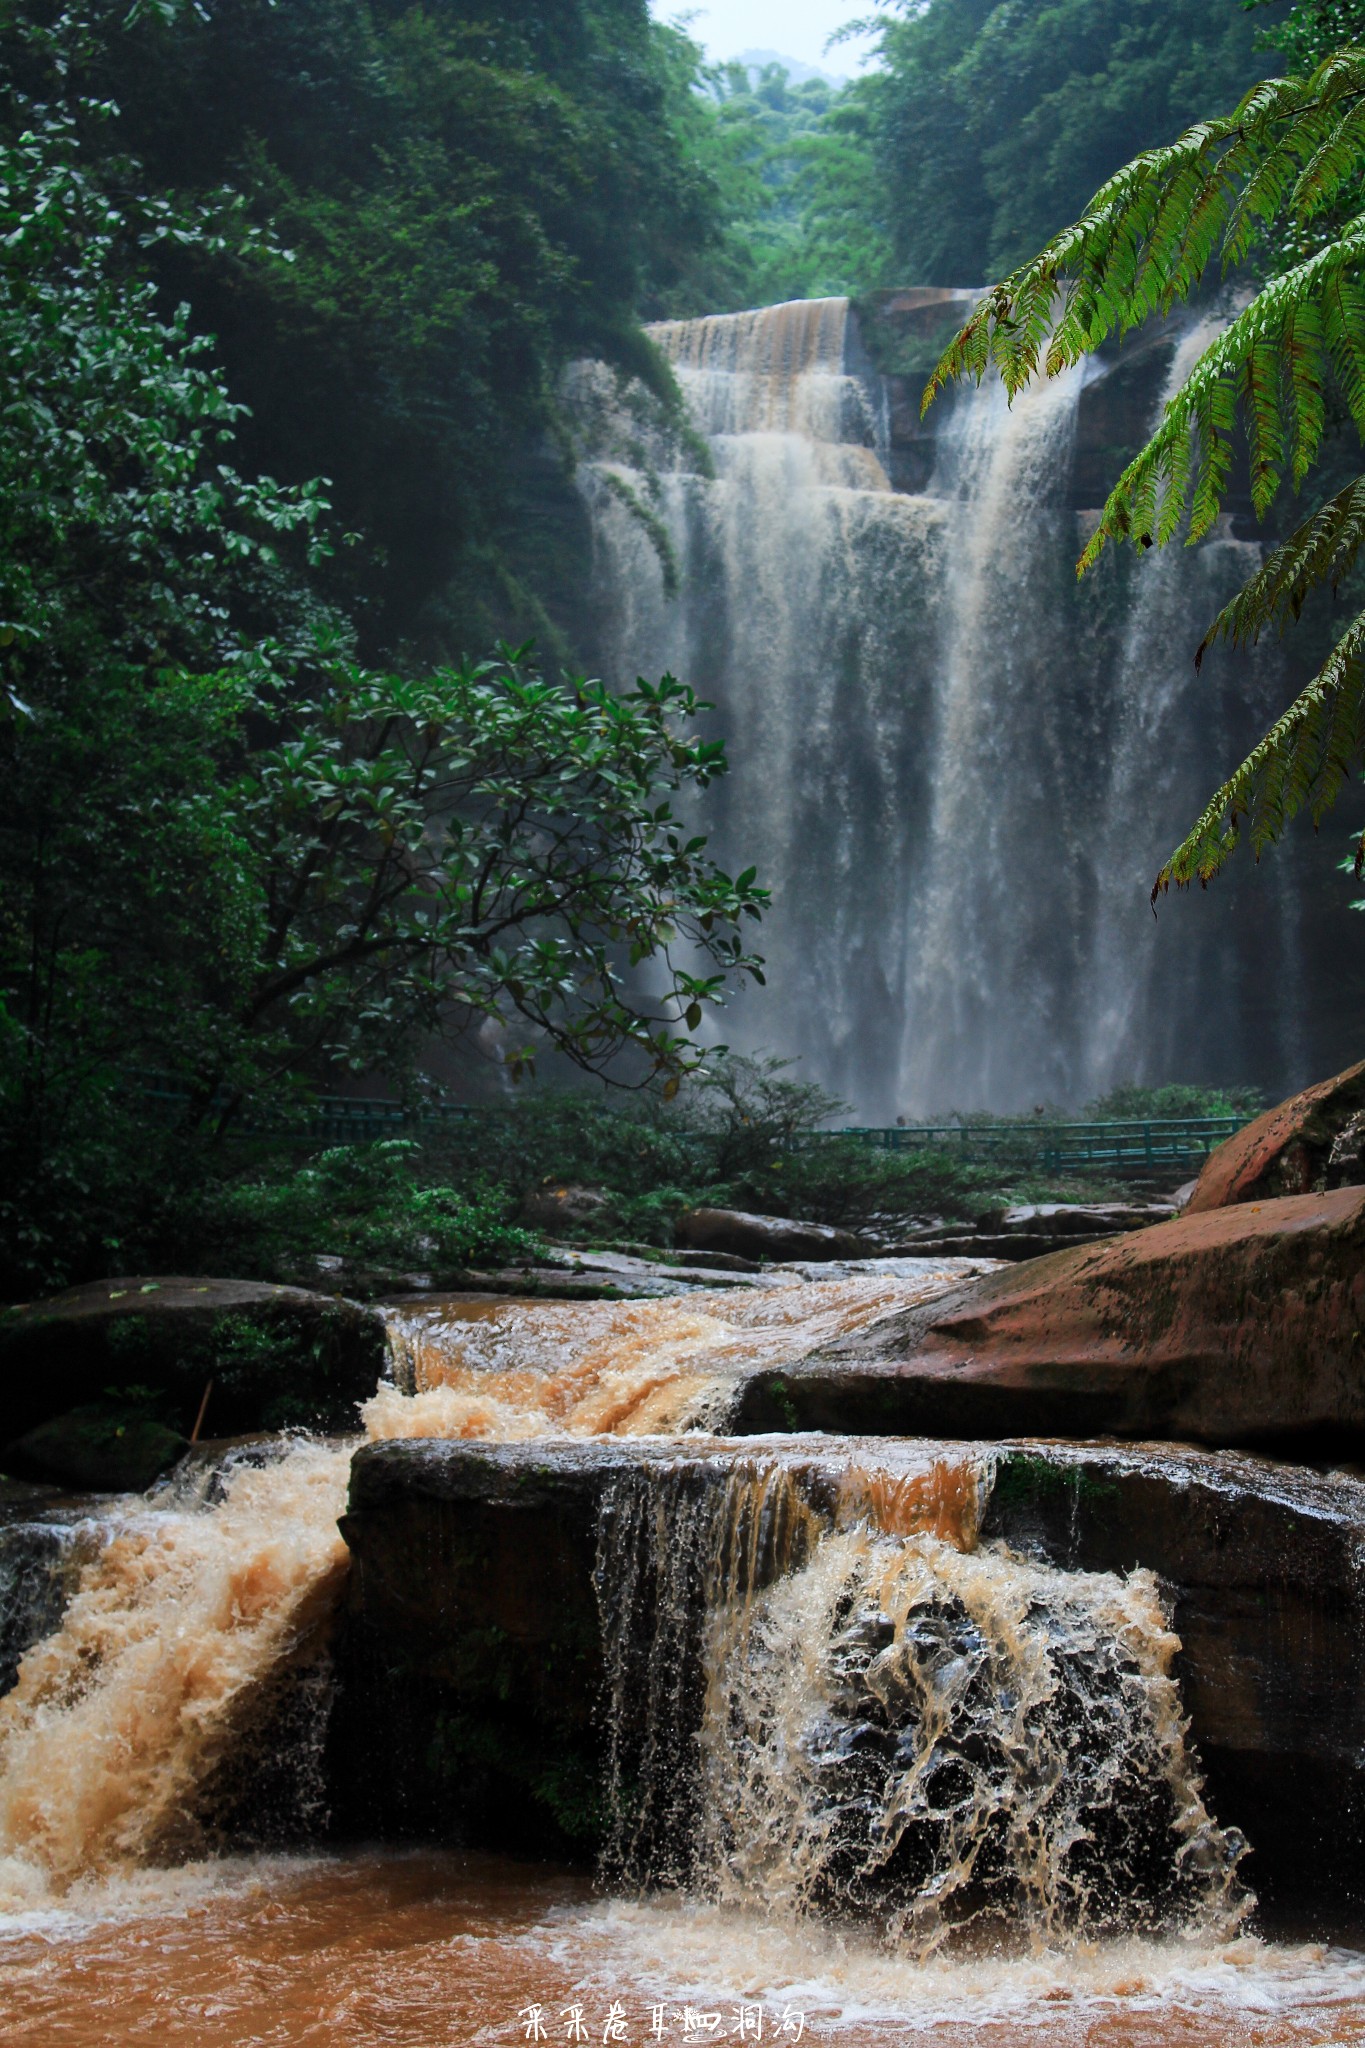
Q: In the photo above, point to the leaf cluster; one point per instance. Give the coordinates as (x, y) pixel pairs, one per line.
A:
(1290, 158)
(233, 857)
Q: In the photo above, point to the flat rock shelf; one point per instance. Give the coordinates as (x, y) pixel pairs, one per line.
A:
(472, 1668)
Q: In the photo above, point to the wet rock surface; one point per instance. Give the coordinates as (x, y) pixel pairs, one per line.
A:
(589, 1275)
(105, 1449)
(471, 1654)
(1031, 1230)
(1263, 1565)
(1310, 1141)
(1238, 1326)
(558, 1204)
(738, 1233)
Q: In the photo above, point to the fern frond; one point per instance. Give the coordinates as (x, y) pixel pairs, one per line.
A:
(1301, 763)
(1334, 164)
(1305, 358)
(1245, 359)
(1149, 234)
(1279, 161)
(1322, 550)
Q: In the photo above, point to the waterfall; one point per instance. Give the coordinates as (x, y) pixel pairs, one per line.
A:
(958, 771)
(823, 1693)
(832, 1717)
(39, 1564)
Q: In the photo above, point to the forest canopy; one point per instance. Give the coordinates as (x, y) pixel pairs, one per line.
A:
(288, 294)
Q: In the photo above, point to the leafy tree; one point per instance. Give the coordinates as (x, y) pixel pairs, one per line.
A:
(1278, 179)
(477, 845)
(797, 183)
(471, 197)
(989, 120)
(232, 855)
(1312, 29)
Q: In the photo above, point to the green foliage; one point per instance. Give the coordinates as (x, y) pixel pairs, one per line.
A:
(1312, 28)
(990, 121)
(371, 1206)
(470, 199)
(482, 845)
(1285, 167)
(742, 1135)
(233, 858)
(1131, 1103)
(798, 183)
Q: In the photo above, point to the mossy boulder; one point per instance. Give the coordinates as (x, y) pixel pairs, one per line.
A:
(97, 1449)
(277, 1356)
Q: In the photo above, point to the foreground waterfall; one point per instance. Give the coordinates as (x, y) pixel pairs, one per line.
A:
(958, 772)
(891, 1722)
(807, 1711)
(884, 1749)
(196, 1616)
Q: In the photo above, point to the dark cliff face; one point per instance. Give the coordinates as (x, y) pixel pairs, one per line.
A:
(471, 1654)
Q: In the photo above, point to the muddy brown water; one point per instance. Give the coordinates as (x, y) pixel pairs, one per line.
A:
(429, 1950)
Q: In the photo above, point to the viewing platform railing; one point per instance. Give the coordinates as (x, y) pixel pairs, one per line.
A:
(1119, 1146)
(1063, 1148)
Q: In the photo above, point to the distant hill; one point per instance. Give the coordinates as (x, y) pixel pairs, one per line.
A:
(797, 72)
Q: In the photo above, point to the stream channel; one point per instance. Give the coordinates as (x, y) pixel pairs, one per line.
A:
(832, 1754)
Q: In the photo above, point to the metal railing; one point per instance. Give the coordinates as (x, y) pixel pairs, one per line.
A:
(1062, 1148)
(1155, 1142)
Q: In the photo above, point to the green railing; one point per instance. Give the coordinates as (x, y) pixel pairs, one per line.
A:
(1063, 1148)
(1052, 1147)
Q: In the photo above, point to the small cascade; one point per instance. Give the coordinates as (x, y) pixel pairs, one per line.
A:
(637, 1368)
(673, 1549)
(173, 1648)
(823, 1694)
(163, 1649)
(958, 770)
(832, 1715)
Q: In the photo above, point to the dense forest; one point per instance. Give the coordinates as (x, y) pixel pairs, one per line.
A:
(288, 295)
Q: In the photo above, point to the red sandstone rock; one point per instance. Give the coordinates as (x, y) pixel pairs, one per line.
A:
(1284, 1152)
(1231, 1327)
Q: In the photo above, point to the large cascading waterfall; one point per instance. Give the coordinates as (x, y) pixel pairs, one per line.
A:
(871, 1715)
(958, 771)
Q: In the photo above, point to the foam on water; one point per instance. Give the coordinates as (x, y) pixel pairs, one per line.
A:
(699, 1953)
(117, 1718)
(514, 1370)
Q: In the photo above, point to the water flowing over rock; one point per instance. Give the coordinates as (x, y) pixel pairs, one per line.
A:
(822, 1693)
(958, 771)
(175, 1645)
(906, 1688)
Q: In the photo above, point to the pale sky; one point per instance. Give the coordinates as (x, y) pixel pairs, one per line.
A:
(797, 28)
